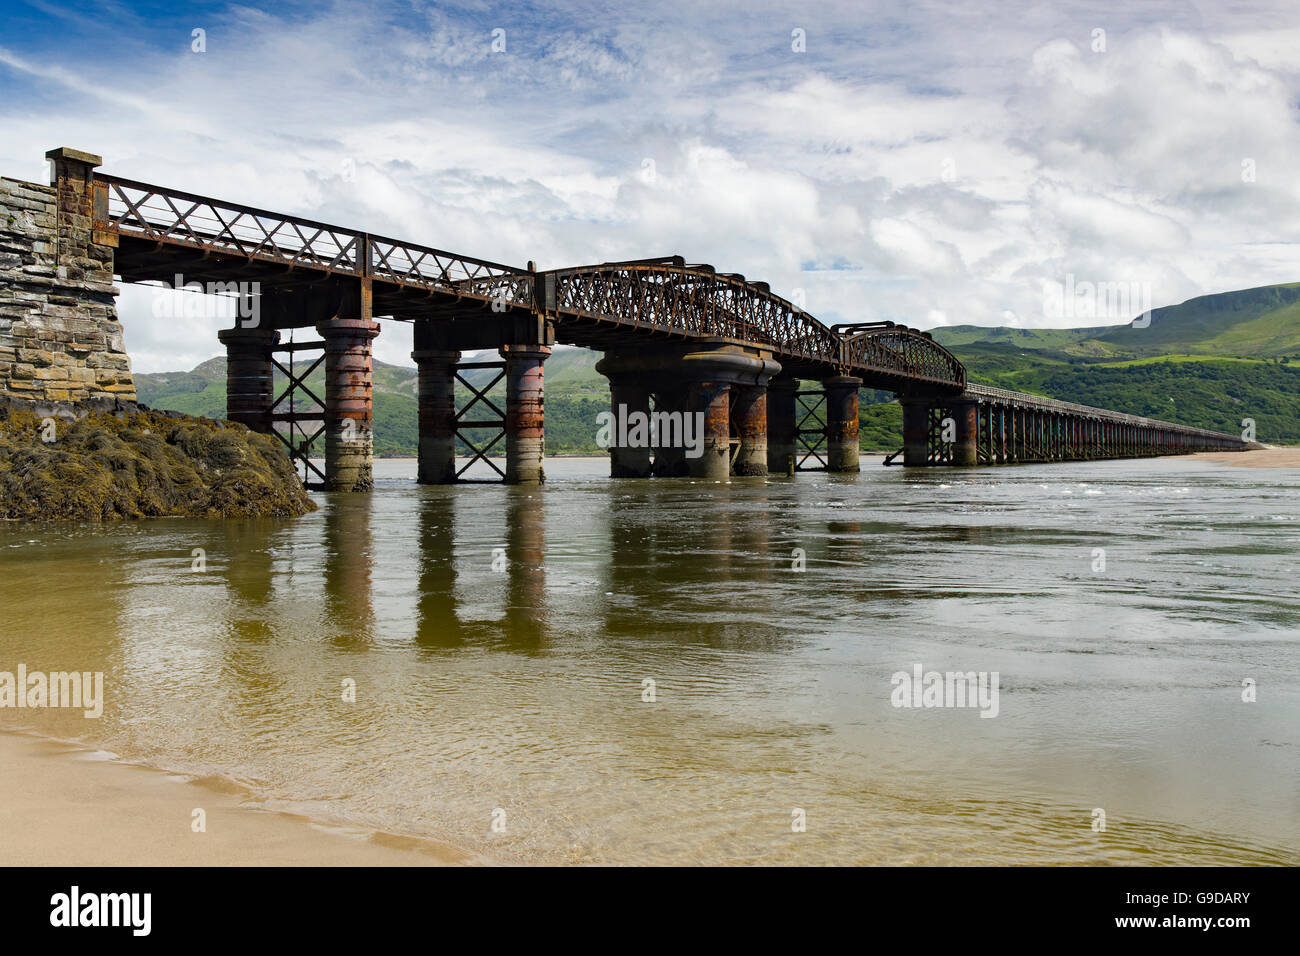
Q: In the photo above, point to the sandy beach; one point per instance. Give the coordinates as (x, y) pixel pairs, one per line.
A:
(62, 805)
(1271, 457)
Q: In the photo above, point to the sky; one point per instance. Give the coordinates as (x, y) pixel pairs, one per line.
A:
(924, 162)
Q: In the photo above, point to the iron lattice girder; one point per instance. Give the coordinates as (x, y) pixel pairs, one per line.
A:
(810, 442)
(939, 418)
(298, 442)
(696, 302)
(667, 297)
(169, 217)
(462, 425)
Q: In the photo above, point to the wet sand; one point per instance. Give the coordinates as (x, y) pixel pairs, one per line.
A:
(1271, 457)
(62, 805)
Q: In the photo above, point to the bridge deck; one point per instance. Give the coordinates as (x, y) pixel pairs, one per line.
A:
(162, 233)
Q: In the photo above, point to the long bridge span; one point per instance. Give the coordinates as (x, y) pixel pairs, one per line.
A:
(773, 386)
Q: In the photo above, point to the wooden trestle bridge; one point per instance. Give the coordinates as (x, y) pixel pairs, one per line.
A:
(677, 337)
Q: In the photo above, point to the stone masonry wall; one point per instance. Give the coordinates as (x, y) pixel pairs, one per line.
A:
(60, 340)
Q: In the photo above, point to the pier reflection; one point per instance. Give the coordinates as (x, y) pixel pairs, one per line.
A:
(349, 613)
(437, 623)
(526, 607)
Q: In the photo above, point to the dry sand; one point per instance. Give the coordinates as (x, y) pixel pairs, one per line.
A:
(1269, 457)
(62, 805)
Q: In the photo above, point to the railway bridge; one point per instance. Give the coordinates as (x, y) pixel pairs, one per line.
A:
(774, 388)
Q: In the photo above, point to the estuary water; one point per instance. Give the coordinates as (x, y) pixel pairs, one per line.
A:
(675, 671)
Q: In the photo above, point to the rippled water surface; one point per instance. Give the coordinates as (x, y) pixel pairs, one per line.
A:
(521, 687)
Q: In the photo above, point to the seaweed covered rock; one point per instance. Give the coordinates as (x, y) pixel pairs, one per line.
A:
(142, 464)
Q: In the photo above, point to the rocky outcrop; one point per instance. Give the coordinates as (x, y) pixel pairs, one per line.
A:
(100, 461)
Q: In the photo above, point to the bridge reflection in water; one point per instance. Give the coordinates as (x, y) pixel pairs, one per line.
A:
(677, 337)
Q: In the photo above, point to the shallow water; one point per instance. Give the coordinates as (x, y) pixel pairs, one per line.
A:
(516, 694)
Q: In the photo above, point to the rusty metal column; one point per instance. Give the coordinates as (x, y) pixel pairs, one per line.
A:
(966, 449)
(842, 452)
(437, 398)
(710, 404)
(711, 372)
(916, 432)
(670, 408)
(525, 417)
(749, 412)
(782, 445)
(1000, 431)
(631, 432)
(630, 404)
(250, 381)
(349, 415)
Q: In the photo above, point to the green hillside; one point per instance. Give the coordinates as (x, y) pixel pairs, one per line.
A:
(1262, 323)
(1210, 361)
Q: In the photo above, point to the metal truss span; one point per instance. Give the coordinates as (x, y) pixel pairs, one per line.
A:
(249, 239)
(667, 296)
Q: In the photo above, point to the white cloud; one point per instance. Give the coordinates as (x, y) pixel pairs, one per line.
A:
(930, 165)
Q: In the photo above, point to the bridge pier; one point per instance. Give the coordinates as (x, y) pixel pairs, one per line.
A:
(966, 451)
(437, 415)
(525, 416)
(749, 415)
(629, 405)
(710, 403)
(250, 378)
(349, 415)
(782, 424)
(710, 375)
(669, 452)
(916, 432)
(842, 446)
(628, 399)
(711, 398)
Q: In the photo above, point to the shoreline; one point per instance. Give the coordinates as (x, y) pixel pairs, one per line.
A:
(1271, 456)
(56, 796)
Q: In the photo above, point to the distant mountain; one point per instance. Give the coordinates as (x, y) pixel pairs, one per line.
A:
(1262, 323)
(1211, 361)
